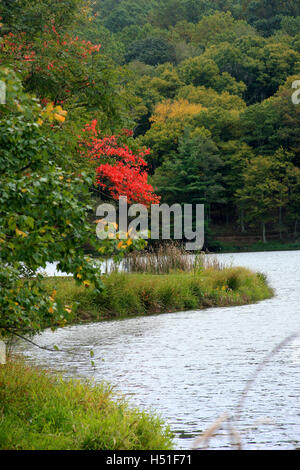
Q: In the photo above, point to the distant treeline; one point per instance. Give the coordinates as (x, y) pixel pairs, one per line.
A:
(206, 85)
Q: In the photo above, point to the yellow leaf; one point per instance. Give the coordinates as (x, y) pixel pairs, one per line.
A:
(59, 117)
(49, 108)
(52, 113)
(20, 233)
(60, 111)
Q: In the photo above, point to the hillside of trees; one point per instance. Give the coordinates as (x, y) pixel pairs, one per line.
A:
(206, 85)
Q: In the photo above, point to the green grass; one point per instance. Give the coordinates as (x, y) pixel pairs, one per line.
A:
(41, 411)
(145, 294)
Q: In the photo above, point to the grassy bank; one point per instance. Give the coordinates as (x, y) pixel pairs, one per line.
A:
(40, 411)
(145, 294)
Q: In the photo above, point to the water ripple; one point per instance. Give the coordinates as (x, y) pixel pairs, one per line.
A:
(191, 367)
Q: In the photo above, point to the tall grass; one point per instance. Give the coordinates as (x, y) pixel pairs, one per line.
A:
(144, 294)
(41, 411)
(167, 259)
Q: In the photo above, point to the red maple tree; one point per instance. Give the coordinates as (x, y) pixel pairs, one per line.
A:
(48, 63)
(121, 172)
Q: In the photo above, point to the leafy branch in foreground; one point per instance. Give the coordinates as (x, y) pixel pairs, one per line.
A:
(43, 218)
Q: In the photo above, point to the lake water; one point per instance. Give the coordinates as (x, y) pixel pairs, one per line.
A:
(191, 367)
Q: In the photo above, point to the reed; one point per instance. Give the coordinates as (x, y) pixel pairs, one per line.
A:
(165, 259)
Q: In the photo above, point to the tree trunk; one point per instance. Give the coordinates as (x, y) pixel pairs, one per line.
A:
(280, 223)
(208, 214)
(264, 232)
(242, 221)
(296, 228)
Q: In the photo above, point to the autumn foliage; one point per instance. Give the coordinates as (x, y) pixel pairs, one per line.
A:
(179, 109)
(21, 47)
(47, 61)
(121, 171)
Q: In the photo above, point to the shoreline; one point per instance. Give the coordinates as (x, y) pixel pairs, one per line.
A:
(131, 295)
(255, 248)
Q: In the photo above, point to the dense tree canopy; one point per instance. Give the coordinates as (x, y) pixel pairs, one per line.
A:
(31, 17)
(205, 85)
(151, 51)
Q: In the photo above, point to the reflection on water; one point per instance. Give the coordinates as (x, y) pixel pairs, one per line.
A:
(191, 367)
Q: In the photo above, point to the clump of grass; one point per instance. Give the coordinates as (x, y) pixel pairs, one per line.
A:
(166, 259)
(211, 261)
(41, 411)
(135, 294)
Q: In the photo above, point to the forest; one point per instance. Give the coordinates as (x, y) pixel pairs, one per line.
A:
(201, 90)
